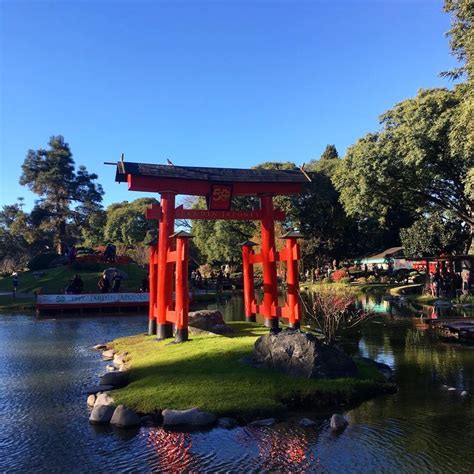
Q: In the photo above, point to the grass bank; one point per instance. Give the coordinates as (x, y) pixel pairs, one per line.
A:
(208, 372)
(55, 280)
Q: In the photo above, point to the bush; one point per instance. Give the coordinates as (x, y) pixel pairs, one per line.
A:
(338, 275)
(361, 280)
(372, 279)
(326, 280)
(345, 280)
(41, 261)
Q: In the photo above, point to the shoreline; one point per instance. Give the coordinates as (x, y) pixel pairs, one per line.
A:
(168, 376)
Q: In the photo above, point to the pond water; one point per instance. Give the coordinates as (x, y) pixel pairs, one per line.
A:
(46, 365)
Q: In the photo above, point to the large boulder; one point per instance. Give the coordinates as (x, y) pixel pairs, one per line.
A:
(192, 417)
(302, 355)
(101, 414)
(116, 379)
(205, 319)
(384, 369)
(124, 417)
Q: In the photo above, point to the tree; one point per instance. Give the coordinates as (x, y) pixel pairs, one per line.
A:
(330, 153)
(461, 36)
(51, 175)
(218, 241)
(411, 166)
(126, 224)
(434, 235)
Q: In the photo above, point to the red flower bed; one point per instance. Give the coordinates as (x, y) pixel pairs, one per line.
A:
(338, 275)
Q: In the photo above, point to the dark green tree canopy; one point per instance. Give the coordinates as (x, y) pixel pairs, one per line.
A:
(411, 166)
(126, 224)
(330, 153)
(433, 235)
(66, 199)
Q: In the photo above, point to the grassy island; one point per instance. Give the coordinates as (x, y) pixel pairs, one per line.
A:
(208, 372)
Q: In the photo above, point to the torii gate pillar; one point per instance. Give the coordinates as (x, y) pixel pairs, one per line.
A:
(165, 269)
(270, 284)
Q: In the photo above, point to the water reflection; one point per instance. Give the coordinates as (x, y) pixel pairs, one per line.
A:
(45, 366)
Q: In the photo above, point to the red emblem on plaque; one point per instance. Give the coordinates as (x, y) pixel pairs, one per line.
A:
(220, 198)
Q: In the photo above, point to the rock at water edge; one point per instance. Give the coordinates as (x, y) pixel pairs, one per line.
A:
(265, 422)
(100, 347)
(303, 355)
(124, 417)
(464, 393)
(117, 379)
(205, 319)
(91, 400)
(191, 417)
(101, 414)
(306, 422)
(108, 355)
(338, 422)
(99, 388)
(104, 399)
(227, 423)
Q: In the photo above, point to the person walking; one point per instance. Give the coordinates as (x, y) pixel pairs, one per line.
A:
(103, 283)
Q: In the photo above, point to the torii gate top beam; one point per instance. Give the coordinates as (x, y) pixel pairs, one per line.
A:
(198, 181)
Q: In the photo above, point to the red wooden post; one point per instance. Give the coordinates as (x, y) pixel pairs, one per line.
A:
(270, 288)
(152, 291)
(247, 275)
(292, 280)
(182, 290)
(164, 292)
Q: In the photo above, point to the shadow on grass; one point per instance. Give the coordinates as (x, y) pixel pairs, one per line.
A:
(208, 372)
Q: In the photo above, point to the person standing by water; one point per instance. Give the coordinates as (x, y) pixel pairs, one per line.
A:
(116, 282)
(103, 283)
(15, 283)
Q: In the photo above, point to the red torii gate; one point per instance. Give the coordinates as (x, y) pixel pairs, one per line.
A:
(169, 257)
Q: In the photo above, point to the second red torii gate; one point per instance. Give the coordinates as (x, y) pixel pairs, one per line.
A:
(169, 257)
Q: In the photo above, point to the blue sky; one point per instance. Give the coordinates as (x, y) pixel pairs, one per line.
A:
(221, 83)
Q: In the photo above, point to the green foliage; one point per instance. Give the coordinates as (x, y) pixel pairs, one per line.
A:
(41, 261)
(51, 175)
(218, 241)
(330, 153)
(434, 235)
(126, 223)
(410, 167)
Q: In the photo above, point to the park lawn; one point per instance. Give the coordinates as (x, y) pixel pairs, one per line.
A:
(16, 304)
(56, 279)
(208, 372)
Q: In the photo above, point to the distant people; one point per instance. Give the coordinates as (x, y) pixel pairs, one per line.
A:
(227, 271)
(71, 255)
(76, 286)
(110, 253)
(435, 284)
(116, 282)
(103, 283)
(15, 283)
(144, 287)
(366, 268)
(466, 281)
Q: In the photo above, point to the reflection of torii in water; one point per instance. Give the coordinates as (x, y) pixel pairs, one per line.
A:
(169, 258)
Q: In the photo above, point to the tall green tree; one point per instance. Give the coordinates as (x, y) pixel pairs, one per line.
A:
(126, 224)
(411, 166)
(66, 198)
(433, 235)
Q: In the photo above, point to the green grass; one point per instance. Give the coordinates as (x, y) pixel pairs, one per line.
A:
(208, 372)
(16, 304)
(56, 279)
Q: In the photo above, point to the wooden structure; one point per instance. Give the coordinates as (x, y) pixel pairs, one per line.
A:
(169, 257)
